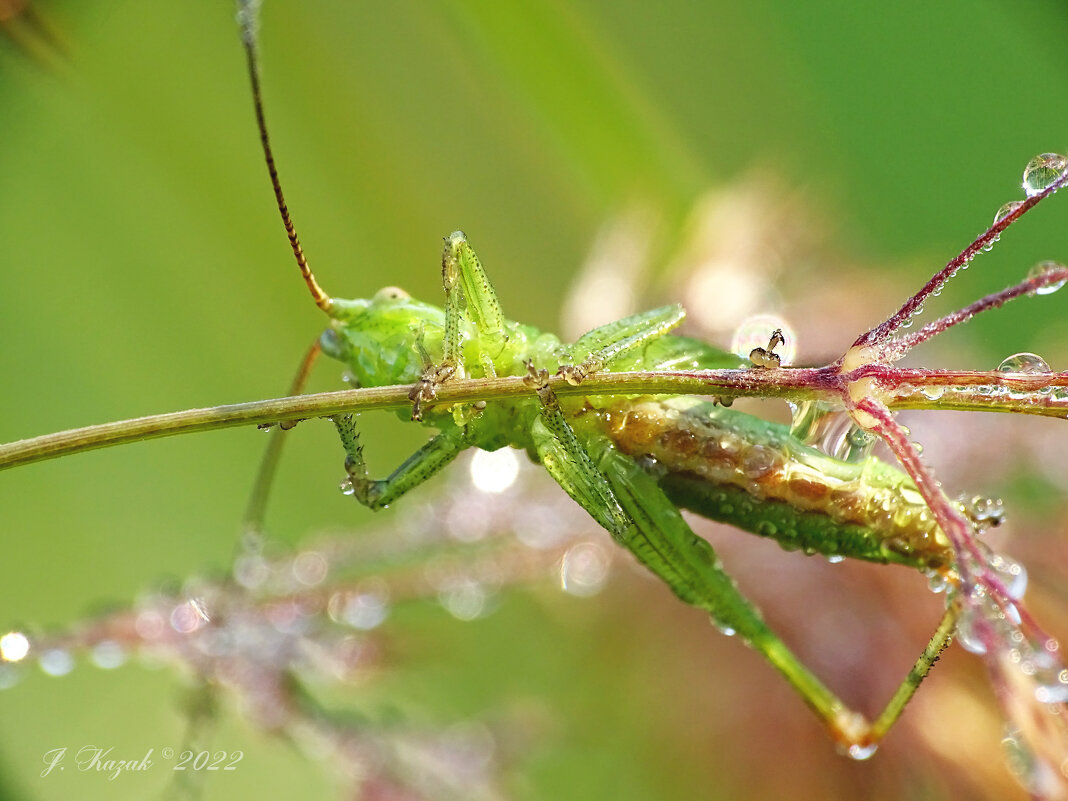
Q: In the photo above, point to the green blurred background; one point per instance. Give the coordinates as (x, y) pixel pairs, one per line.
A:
(145, 271)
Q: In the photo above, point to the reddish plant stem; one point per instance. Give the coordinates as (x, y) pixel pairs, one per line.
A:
(882, 332)
(898, 347)
(956, 527)
(952, 522)
(898, 377)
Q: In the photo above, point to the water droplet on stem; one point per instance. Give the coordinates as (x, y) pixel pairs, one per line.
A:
(1042, 171)
(1006, 210)
(1042, 269)
(1027, 363)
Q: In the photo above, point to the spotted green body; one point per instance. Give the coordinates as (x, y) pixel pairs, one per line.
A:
(631, 462)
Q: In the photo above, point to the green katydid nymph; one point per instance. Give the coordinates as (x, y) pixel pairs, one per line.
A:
(633, 461)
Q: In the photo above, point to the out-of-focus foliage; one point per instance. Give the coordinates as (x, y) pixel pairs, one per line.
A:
(145, 270)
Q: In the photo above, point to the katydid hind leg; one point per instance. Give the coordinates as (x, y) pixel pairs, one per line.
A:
(569, 464)
(666, 544)
(627, 501)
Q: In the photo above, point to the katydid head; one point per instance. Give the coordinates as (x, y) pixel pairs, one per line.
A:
(386, 339)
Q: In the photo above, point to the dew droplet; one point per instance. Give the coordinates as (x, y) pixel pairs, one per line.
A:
(1027, 363)
(973, 627)
(753, 332)
(759, 461)
(1006, 210)
(14, 646)
(1031, 769)
(968, 640)
(1042, 269)
(464, 598)
(251, 570)
(938, 582)
(189, 616)
(108, 655)
(310, 568)
(1017, 754)
(862, 752)
(346, 487)
(765, 528)
(56, 662)
(365, 609)
(983, 512)
(831, 431)
(1042, 171)
(150, 624)
(1011, 574)
(849, 443)
(9, 676)
(805, 420)
(494, 471)
(723, 628)
(1053, 689)
(584, 569)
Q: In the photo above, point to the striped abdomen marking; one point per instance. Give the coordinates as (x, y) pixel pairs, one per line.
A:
(733, 467)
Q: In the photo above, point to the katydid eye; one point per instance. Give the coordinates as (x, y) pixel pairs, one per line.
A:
(391, 293)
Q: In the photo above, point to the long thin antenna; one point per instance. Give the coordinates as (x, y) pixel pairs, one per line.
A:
(248, 18)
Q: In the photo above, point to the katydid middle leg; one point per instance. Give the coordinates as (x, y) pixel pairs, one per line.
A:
(598, 348)
(417, 468)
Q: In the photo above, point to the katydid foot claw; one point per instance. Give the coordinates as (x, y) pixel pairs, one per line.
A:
(426, 391)
(574, 374)
(538, 380)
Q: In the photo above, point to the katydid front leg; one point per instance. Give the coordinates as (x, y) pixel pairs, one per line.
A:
(468, 292)
(628, 502)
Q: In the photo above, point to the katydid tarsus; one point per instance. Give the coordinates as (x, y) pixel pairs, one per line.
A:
(631, 462)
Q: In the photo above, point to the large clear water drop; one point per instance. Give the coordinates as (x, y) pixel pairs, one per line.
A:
(1042, 171)
(1042, 269)
(1006, 210)
(1027, 363)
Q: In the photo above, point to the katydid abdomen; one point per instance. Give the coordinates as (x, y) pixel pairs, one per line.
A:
(734, 468)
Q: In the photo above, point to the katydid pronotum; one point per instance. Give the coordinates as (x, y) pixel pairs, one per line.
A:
(762, 505)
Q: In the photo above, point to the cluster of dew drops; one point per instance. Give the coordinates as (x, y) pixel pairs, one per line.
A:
(1040, 173)
(1036, 661)
(834, 433)
(546, 541)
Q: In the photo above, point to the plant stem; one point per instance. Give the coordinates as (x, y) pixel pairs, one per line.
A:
(909, 389)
